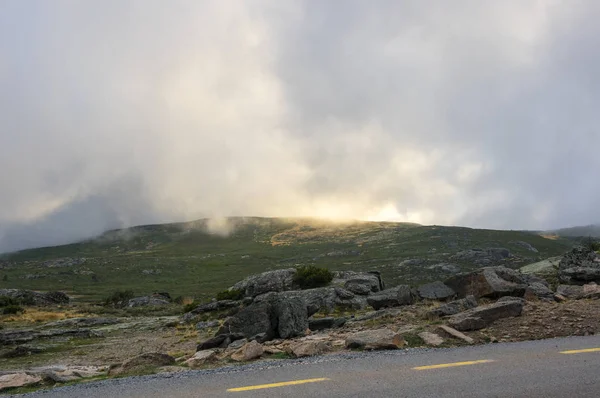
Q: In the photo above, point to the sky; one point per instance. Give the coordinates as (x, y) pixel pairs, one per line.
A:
(115, 113)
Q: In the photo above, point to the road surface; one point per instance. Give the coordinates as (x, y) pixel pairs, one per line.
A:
(564, 367)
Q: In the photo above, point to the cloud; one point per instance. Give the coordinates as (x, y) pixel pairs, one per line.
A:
(121, 113)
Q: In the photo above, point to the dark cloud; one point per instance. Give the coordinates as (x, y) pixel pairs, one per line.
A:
(469, 112)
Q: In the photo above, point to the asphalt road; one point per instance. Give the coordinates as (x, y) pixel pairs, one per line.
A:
(528, 369)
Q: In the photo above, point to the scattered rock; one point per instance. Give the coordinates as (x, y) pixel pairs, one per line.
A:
(14, 380)
(82, 322)
(480, 317)
(435, 291)
(200, 358)
(492, 282)
(547, 267)
(394, 297)
(250, 321)
(308, 348)
(453, 307)
(248, 352)
(455, 333)
(237, 343)
(380, 339)
(431, 338)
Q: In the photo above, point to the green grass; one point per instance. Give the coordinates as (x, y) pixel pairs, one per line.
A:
(185, 260)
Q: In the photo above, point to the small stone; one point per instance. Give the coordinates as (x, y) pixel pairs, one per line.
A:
(380, 339)
(248, 352)
(431, 338)
(200, 358)
(308, 348)
(455, 333)
(15, 380)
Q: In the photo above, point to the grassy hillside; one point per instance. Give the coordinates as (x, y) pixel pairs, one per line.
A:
(185, 259)
(581, 231)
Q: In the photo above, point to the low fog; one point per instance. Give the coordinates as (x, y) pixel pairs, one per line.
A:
(117, 113)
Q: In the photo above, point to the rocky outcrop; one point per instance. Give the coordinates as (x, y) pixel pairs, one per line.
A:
(380, 339)
(579, 266)
(453, 307)
(271, 281)
(435, 291)
(483, 257)
(492, 282)
(481, 317)
(544, 268)
(251, 321)
(394, 297)
(29, 297)
(322, 299)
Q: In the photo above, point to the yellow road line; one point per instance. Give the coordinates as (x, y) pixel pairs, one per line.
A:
(580, 351)
(453, 364)
(274, 385)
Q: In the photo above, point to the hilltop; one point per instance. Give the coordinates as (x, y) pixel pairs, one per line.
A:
(198, 259)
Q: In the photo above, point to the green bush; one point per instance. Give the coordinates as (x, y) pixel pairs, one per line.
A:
(12, 309)
(191, 306)
(119, 298)
(233, 294)
(591, 244)
(5, 301)
(309, 276)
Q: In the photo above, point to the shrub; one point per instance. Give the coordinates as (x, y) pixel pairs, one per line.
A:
(191, 306)
(12, 310)
(119, 298)
(6, 301)
(309, 276)
(233, 294)
(591, 244)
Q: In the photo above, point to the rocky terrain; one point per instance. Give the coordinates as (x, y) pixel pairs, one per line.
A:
(269, 316)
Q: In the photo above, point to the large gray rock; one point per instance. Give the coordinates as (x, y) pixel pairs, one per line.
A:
(291, 317)
(271, 281)
(492, 282)
(270, 315)
(538, 290)
(394, 297)
(483, 316)
(362, 283)
(435, 291)
(579, 266)
(322, 299)
(453, 307)
(380, 339)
